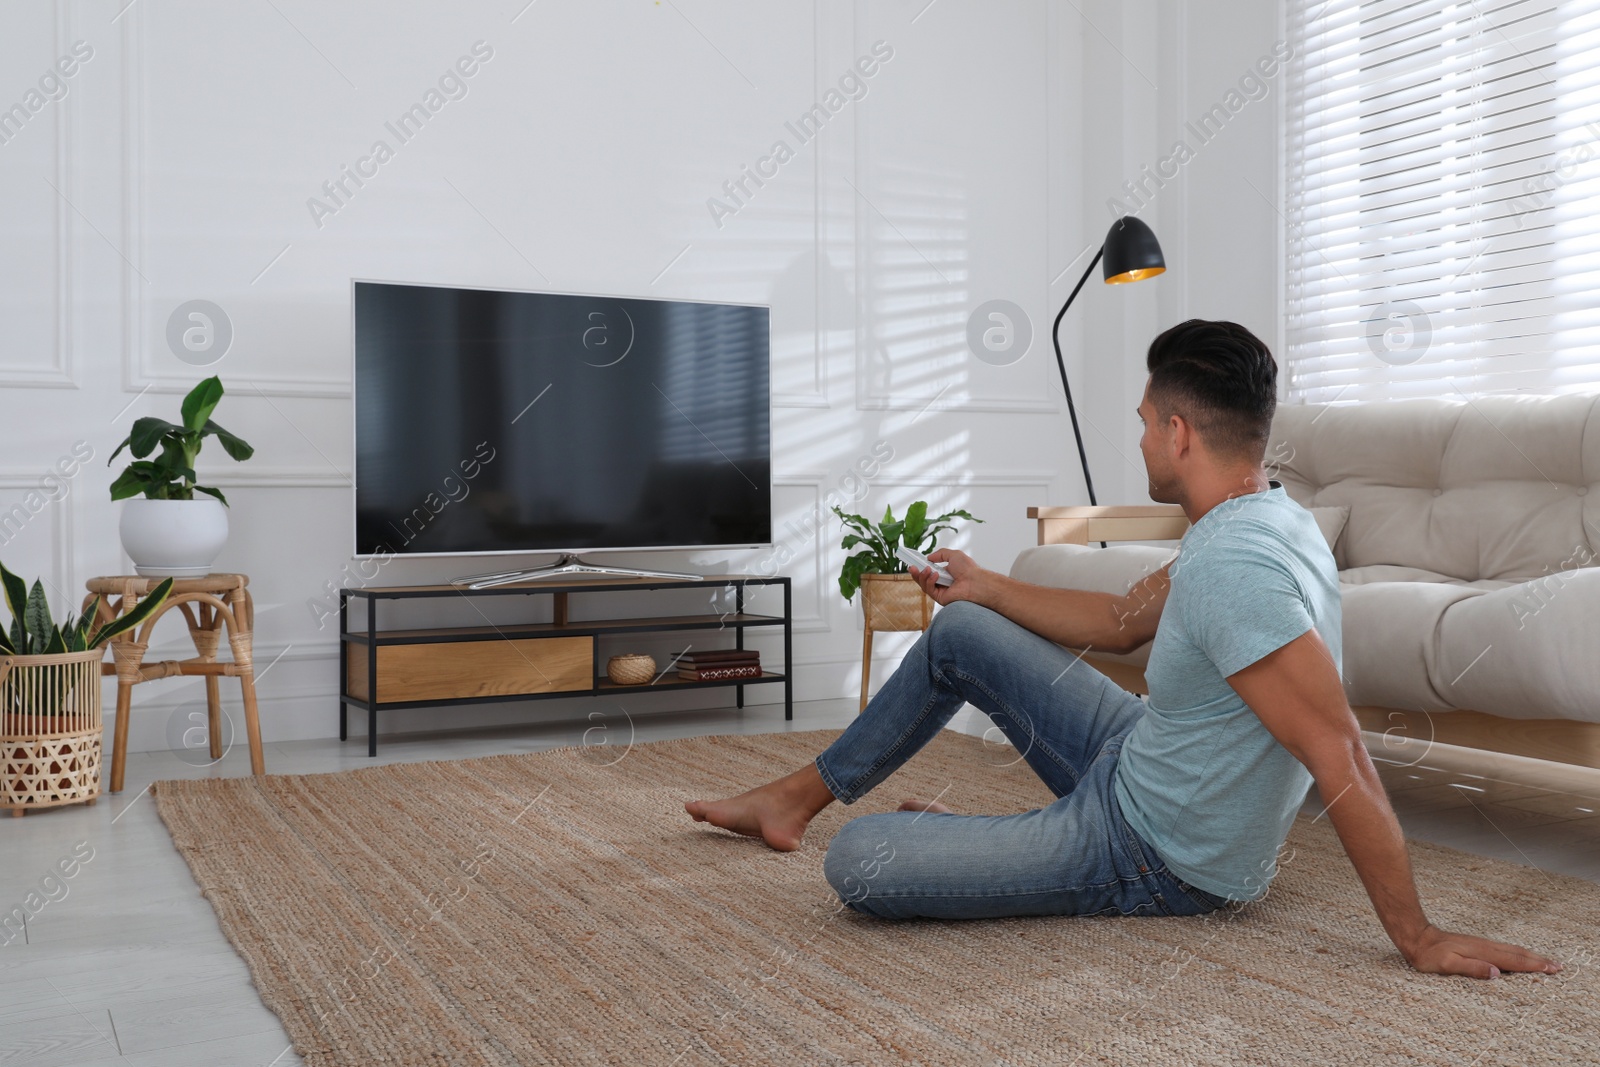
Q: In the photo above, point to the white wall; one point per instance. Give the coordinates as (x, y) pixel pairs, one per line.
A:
(179, 164)
(1153, 69)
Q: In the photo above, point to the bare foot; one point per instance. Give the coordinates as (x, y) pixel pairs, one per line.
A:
(915, 804)
(777, 812)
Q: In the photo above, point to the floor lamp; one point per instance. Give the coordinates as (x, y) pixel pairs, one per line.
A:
(1131, 254)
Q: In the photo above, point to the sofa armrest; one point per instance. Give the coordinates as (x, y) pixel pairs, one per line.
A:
(1078, 525)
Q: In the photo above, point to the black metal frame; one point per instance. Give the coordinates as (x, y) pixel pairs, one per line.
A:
(1066, 386)
(372, 637)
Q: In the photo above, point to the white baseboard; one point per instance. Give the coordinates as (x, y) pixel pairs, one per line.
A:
(303, 705)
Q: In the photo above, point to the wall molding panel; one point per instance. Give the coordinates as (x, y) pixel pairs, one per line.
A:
(185, 151)
(60, 372)
(139, 372)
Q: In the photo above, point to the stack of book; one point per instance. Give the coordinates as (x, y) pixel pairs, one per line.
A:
(719, 664)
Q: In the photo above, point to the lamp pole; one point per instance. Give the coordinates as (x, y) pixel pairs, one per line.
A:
(1061, 364)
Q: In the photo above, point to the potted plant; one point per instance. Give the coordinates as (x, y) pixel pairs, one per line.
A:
(50, 724)
(889, 598)
(166, 530)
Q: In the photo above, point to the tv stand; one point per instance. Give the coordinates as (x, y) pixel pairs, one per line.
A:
(568, 565)
(386, 669)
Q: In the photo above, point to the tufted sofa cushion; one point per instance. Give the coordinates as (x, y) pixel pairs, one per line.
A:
(1498, 488)
(1524, 651)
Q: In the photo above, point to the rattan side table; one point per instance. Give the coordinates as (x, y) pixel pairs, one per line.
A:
(211, 605)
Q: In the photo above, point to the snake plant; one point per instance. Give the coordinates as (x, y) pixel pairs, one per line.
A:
(34, 633)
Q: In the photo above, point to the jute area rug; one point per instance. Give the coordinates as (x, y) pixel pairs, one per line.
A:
(561, 908)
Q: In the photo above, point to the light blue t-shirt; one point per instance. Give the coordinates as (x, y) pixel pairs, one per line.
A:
(1200, 778)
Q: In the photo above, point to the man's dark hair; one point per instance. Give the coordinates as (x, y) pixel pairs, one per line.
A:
(1221, 379)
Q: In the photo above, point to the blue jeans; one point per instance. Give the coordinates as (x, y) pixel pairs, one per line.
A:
(1076, 856)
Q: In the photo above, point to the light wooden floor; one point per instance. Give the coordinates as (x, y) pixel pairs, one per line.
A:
(130, 967)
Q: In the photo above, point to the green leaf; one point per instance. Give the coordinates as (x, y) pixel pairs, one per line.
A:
(80, 631)
(155, 481)
(56, 644)
(957, 514)
(5, 643)
(891, 535)
(129, 483)
(19, 636)
(937, 525)
(868, 534)
(206, 489)
(174, 453)
(36, 615)
(172, 468)
(140, 612)
(234, 446)
(69, 634)
(147, 433)
(854, 522)
(201, 402)
(175, 464)
(16, 593)
(854, 567)
(916, 523)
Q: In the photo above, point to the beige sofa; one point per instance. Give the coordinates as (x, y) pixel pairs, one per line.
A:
(1468, 561)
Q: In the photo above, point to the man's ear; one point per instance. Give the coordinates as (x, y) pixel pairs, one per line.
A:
(1183, 437)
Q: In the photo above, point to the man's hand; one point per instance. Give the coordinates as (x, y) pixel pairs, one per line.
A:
(965, 574)
(1437, 951)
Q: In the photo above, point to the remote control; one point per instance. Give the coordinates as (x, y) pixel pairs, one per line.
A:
(912, 558)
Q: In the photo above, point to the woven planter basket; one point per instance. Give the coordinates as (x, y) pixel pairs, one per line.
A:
(631, 670)
(50, 729)
(895, 602)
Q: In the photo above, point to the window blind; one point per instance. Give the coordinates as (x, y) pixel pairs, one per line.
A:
(1443, 223)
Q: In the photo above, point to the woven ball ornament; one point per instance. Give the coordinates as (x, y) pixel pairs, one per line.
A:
(634, 669)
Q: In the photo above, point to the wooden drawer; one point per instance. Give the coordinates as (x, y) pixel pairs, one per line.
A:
(458, 670)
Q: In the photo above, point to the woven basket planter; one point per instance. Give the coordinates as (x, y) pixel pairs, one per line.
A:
(50, 730)
(894, 602)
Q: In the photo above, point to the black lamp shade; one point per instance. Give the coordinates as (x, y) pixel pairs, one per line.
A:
(1132, 252)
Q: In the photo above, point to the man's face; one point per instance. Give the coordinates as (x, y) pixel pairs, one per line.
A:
(1155, 445)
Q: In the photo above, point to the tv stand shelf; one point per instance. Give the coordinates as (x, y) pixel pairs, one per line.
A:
(446, 666)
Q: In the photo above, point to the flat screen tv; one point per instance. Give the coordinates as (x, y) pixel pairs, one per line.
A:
(496, 421)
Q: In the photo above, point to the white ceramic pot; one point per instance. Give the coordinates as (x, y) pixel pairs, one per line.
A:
(173, 538)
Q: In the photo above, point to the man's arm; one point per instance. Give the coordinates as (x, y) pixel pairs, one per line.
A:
(1076, 618)
(1297, 694)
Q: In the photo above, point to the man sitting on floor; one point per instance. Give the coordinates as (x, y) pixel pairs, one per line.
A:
(1173, 808)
